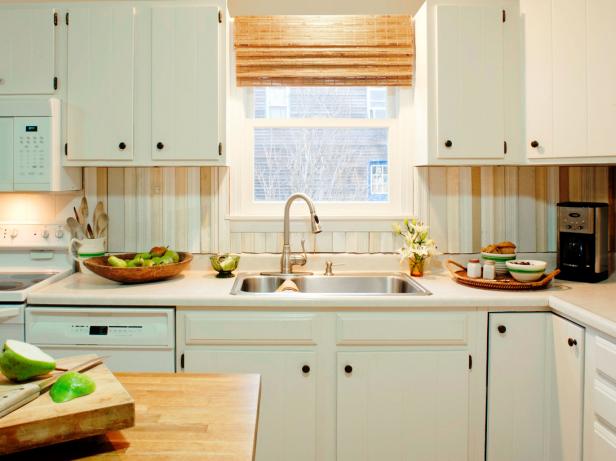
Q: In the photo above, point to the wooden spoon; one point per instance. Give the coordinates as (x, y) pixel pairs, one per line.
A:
(101, 224)
(83, 214)
(98, 211)
(74, 228)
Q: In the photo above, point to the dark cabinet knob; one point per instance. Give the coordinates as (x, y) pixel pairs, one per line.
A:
(306, 369)
(448, 143)
(534, 144)
(502, 328)
(572, 342)
(122, 146)
(160, 146)
(348, 369)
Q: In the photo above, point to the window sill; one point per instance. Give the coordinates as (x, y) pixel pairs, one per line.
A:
(301, 223)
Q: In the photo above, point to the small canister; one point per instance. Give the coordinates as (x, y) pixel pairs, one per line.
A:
(473, 269)
(489, 270)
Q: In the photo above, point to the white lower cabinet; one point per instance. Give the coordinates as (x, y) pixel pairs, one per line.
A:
(287, 418)
(600, 398)
(352, 386)
(535, 388)
(403, 405)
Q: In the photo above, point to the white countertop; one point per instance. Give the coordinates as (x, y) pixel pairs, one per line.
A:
(592, 305)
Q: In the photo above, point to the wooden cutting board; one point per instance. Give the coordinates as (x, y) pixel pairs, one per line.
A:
(43, 422)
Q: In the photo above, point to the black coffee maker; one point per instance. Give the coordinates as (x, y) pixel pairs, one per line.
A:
(583, 241)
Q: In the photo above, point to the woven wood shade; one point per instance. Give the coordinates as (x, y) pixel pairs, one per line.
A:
(324, 50)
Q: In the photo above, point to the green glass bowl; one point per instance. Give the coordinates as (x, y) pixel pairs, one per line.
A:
(225, 264)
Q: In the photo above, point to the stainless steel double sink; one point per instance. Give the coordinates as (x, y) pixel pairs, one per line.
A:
(347, 284)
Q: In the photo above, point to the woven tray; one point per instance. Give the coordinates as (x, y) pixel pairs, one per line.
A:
(502, 282)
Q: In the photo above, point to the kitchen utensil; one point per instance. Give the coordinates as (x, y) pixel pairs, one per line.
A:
(90, 231)
(502, 282)
(102, 223)
(74, 228)
(43, 422)
(98, 211)
(83, 214)
(99, 266)
(16, 396)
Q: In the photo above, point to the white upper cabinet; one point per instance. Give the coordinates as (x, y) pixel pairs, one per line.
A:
(469, 82)
(601, 77)
(185, 83)
(27, 45)
(100, 83)
(467, 102)
(6, 154)
(570, 69)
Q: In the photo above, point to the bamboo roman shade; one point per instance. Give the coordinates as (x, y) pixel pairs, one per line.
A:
(324, 50)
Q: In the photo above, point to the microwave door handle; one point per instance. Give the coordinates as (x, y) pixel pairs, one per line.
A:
(8, 313)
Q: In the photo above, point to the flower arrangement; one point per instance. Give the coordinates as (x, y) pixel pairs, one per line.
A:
(418, 247)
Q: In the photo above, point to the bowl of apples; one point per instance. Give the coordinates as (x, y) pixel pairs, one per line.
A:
(159, 263)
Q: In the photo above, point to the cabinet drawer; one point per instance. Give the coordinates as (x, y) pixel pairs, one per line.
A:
(605, 357)
(247, 328)
(604, 401)
(414, 329)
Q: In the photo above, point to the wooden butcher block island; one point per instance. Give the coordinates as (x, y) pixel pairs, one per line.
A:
(181, 417)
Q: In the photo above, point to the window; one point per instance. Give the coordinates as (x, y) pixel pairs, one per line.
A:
(339, 145)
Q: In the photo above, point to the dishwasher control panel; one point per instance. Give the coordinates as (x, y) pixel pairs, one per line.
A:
(104, 326)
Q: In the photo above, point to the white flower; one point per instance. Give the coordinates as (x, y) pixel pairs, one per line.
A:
(417, 244)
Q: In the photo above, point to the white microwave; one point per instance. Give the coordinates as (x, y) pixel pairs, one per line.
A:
(30, 147)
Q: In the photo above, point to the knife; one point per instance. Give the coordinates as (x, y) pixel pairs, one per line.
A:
(16, 396)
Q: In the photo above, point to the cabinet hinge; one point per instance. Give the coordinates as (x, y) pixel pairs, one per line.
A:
(504, 15)
(219, 148)
(505, 147)
(66, 18)
(55, 19)
(182, 361)
(219, 17)
(55, 83)
(65, 148)
(470, 362)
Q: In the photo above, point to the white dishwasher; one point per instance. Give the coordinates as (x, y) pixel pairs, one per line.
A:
(133, 339)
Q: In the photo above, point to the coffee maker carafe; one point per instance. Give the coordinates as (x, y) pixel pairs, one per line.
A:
(583, 241)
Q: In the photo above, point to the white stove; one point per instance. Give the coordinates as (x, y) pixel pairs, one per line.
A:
(31, 256)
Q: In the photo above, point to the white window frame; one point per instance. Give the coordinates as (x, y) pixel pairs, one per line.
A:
(243, 207)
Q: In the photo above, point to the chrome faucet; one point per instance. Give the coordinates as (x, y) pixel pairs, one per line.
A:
(289, 259)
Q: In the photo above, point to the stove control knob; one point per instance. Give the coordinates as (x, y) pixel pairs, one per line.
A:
(59, 233)
(14, 233)
(45, 234)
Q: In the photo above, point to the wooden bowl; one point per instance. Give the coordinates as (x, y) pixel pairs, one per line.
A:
(99, 266)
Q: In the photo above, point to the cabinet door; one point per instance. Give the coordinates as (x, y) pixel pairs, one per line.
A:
(469, 82)
(517, 379)
(398, 406)
(185, 83)
(6, 154)
(601, 61)
(569, 77)
(539, 114)
(287, 418)
(100, 89)
(27, 40)
(566, 388)
(535, 393)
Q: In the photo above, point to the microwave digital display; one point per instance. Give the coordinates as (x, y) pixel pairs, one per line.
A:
(31, 128)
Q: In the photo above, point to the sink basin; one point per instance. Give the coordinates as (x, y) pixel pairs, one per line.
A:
(349, 284)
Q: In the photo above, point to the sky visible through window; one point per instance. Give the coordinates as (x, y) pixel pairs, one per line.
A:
(330, 164)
